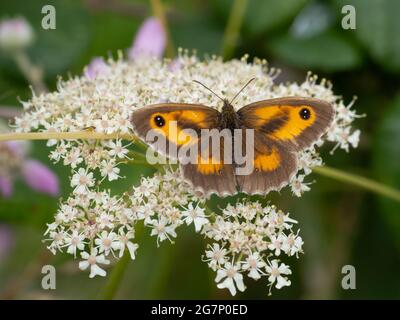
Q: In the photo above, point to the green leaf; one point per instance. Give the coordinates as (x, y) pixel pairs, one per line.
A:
(378, 28)
(103, 40)
(313, 19)
(197, 33)
(327, 51)
(386, 155)
(264, 15)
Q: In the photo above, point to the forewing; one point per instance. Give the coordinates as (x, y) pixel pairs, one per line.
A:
(207, 176)
(177, 118)
(292, 121)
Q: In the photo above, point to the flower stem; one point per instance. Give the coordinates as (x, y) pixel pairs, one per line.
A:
(233, 26)
(159, 13)
(117, 273)
(115, 278)
(31, 72)
(359, 181)
(336, 174)
(86, 135)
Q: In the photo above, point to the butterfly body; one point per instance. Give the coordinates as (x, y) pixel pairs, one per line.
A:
(229, 118)
(278, 128)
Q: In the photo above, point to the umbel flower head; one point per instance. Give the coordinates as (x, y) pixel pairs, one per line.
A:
(246, 239)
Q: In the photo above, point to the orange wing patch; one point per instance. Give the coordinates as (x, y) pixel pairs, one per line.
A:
(267, 162)
(296, 123)
(195, 116)
(265, 114)
(166, 123)
(209, 166)
(284, 122)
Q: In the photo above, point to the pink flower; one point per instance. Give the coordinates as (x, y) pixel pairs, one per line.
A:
(39, 177)
(96, 67)
(6, 187)
(150, 40)
(19, 147)
(14, 163)
(15, 34)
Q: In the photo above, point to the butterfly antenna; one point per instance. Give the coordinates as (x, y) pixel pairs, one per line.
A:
(248, 82)
(208, 89)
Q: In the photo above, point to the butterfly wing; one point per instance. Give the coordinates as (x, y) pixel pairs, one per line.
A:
(210, 175)
(295, 122)
(282, 127)
(168, 120)
(273, 165)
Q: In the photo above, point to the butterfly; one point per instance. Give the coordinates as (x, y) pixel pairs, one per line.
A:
(280, 128)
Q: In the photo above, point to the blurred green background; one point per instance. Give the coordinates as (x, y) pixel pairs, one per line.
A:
(339, 223)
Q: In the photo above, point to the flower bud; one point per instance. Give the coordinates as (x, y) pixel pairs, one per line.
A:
(15, 34)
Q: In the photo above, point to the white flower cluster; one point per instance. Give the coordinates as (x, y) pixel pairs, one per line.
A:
(164, 203)
(249, 239)
(104, 102)
(96, 223)
(340, 132)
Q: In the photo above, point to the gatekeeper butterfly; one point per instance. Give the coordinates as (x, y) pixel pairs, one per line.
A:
(281, 128)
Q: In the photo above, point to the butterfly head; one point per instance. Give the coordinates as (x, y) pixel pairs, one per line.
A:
(227, 107)
(229, 117)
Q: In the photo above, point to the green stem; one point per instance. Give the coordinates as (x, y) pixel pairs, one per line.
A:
(137, 155)
(115, 278)
(336, 174)
(158, 285)
(31, 72)
(359, 181)
(233, 26)
(84, 135)
(117, 273)
(141, 162)
(159, 13)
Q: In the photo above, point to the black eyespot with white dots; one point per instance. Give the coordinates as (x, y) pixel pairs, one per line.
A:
(159, 121)
(305, 113)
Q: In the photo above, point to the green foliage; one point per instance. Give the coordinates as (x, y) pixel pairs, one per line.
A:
(328, 51)
(386, 157)
(197, 32)
(54, 50)
(264, 15)
(378, 27)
